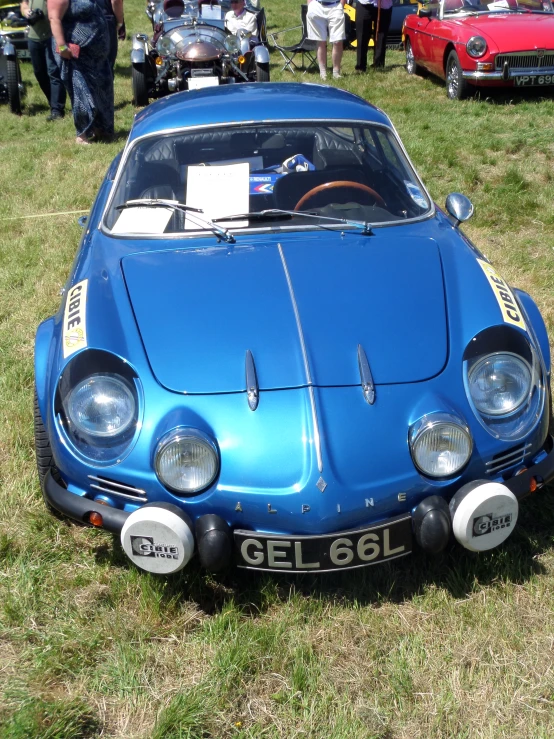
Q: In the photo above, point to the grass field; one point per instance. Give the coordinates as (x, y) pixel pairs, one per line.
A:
(458, 646)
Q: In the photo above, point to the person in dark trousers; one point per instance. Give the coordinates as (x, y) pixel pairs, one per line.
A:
(367, 12)
(44, 65)
(113, 13)
(81, 43)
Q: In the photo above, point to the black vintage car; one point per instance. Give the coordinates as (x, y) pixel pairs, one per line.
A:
(190, 48)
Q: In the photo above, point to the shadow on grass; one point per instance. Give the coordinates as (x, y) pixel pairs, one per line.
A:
(124, 69)
(500, 95)
(36, 109)
(458, 571)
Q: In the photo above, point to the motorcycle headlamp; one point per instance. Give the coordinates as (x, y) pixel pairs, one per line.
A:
(232, 45)
(165, 46)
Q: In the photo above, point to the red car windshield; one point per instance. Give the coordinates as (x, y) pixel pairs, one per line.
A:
(497, 6)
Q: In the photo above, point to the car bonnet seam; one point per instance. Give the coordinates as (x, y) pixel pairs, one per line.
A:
(315, 421)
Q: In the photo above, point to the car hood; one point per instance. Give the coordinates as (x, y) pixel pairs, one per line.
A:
(301, 309)
(512, 32)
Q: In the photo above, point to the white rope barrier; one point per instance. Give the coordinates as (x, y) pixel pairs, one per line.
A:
(46, 215)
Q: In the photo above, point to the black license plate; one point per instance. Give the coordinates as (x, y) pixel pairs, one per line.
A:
(339, 551)
(531, 80)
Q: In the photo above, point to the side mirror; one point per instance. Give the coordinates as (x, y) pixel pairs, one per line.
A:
(424, 12)
(82, 221)
(459, 207)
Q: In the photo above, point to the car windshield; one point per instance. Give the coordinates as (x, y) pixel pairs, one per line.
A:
(349, 171)
(496, 6)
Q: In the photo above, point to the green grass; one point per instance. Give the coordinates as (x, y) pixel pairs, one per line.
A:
(458, 646)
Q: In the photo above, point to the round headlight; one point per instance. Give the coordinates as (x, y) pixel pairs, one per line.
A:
(101, 405)
(476, 46)
(165, 46)
(499, 384)
(232, 44)
(186, 461)
(441, 445)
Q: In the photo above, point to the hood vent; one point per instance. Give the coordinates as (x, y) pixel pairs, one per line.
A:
(506, 460)
(111, 487)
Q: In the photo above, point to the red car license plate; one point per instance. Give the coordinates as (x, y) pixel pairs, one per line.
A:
(343, 550)
(529, 80)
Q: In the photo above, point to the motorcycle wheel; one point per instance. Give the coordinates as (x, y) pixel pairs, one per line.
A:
(262, 72)
(12, 81)
(140, 84)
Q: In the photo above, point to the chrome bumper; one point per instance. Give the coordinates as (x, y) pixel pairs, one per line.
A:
(512, 74)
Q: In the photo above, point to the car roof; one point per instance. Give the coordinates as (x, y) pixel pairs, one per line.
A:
(257, 102)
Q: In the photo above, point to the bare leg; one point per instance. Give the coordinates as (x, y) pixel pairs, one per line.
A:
(322, 58)
(337, 57)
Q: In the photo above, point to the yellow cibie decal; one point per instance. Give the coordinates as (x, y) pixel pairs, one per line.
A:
(504, 296)
(75, 319)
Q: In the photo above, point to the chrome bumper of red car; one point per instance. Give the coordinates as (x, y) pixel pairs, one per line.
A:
(511, 76)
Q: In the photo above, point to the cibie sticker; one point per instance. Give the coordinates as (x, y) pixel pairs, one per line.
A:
(75, 319)
(504, 296)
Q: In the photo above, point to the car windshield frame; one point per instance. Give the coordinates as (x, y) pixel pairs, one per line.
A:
(495, 7)
(254, 227)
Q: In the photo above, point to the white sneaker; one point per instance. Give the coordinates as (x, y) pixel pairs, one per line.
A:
(336, 74)
(323, 74)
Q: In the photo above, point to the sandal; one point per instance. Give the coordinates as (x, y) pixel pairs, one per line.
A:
(82, 140)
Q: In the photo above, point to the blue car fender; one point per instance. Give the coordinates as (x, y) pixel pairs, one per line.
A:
(535, 323)
(43, 348)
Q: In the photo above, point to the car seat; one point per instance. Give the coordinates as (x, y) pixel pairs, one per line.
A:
(161, 180)
(174, 8)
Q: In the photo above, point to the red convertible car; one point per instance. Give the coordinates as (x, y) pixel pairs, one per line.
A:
(470, 43)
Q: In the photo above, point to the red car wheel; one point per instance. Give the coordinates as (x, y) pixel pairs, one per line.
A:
(456, 87)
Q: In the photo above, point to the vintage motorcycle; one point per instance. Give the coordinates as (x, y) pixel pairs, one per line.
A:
(11, 87)
(190, 48)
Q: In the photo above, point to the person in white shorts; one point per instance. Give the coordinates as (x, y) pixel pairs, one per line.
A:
(325, 20)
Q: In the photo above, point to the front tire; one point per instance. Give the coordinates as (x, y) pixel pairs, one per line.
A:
(12, 81)
(140, 84)
(43, 450)
(411, 66)
(456, 87)
(262, 72)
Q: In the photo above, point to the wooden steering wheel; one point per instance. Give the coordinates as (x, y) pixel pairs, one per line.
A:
(339, 183)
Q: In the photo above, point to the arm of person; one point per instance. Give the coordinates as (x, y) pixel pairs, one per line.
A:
(250, 23)
(25, 9)
(56, 11)
(117, 7)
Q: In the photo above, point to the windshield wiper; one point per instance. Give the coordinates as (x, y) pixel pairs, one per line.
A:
(204, 223)
(273, 213)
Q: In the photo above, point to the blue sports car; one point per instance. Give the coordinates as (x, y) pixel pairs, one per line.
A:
(274, 349)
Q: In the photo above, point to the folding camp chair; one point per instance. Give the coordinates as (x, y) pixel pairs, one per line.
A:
(305, 47)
